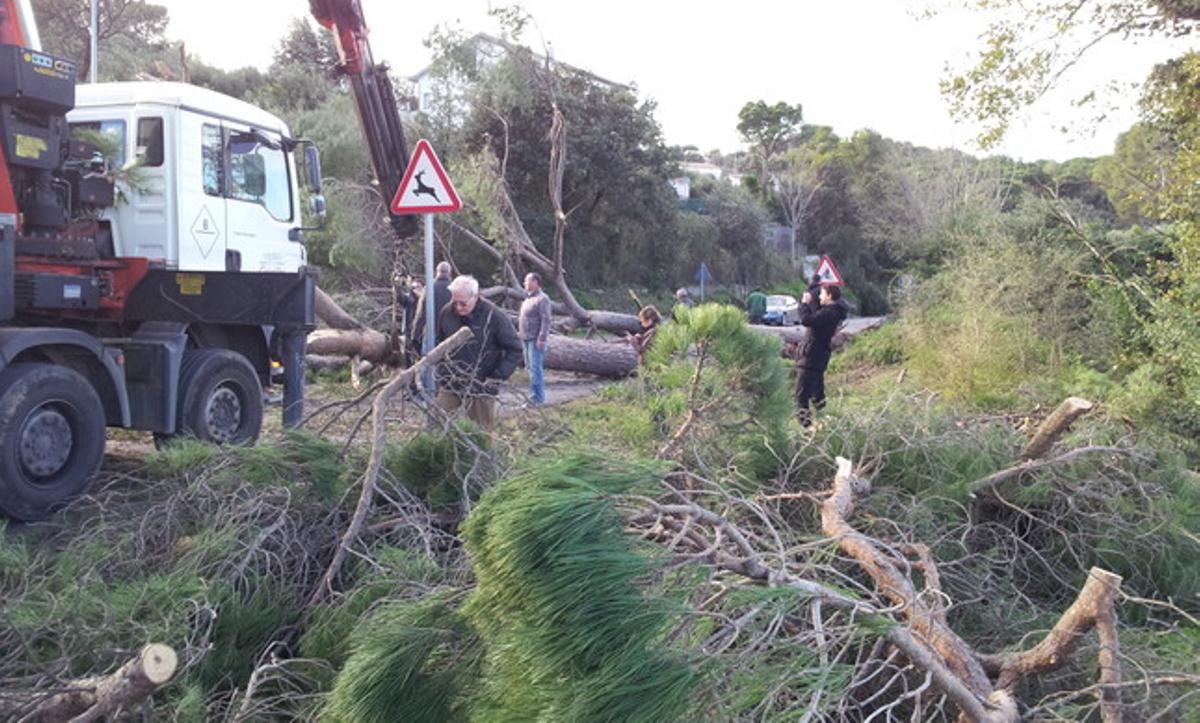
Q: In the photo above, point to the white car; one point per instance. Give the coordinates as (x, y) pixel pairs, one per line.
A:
(782, 309)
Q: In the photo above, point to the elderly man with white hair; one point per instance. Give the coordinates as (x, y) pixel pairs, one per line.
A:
(471, 376)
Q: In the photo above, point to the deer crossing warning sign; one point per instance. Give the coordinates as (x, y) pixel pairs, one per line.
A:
(829, 273)
(426, 188)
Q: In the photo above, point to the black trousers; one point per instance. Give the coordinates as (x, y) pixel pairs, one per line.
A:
(810, 390)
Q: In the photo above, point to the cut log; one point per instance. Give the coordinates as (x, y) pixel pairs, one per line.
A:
(93, 699)
(612, 360)
(369, 344)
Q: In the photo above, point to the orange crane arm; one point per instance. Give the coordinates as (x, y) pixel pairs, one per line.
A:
(374, 96)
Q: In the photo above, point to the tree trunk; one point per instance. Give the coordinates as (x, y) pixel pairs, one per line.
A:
(330, 312)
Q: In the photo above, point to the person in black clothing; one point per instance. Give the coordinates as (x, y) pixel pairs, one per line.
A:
(814, 286)
(822, 316)
(471, 375)
(413, 289)
(441, 297)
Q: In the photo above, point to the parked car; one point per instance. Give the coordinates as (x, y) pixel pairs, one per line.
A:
(782, 309)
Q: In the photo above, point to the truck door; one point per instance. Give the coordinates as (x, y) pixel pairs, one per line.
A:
(144, 224)
(260, 206)
(201, 189)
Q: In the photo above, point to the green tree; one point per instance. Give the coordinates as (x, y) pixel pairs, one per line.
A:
(304, 45)
(1028, 48)
(768, 128)
(1135, 173)
(65, 28)
(740, 223)
(615, 188)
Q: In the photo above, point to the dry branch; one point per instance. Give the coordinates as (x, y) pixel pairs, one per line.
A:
(401, 381)
(982, 686)
(1093, 605)
(928, 623)
(988, 483)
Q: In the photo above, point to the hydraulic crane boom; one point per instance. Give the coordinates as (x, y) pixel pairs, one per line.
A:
(17, 28)
(374, 96)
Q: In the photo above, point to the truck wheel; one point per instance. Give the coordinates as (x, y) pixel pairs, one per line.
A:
(51, 438)
(220, 397)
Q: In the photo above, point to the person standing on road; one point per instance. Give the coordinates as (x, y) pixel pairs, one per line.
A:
(471, 375)
(756, 306)
(441, 297)
(822, 316)
(533, 326)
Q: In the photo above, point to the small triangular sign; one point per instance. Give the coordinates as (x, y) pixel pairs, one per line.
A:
(426, 188)
(829, 273)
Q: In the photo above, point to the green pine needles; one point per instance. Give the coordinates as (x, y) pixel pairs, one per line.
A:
(569, 634)
(742, 393)
(410, 661)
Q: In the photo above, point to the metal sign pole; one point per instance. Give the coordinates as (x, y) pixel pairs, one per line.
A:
(430, 302)
(93, 71)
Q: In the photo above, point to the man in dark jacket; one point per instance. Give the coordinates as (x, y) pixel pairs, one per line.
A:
(441, 297)
(822, 316)
(471, 376)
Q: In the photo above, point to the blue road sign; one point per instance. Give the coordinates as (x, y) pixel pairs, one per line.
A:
(702, 274)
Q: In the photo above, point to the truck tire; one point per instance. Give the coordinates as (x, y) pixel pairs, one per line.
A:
(51, 438)
(220, 397)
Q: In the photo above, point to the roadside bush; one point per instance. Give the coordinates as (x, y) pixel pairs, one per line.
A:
(991, 320)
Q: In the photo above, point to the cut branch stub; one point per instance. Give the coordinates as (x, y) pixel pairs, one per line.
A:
(1055, 425)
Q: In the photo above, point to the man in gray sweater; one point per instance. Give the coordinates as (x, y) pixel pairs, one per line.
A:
(533, 326)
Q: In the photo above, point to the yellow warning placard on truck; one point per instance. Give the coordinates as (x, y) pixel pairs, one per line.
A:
(29, 146)
(190, 284)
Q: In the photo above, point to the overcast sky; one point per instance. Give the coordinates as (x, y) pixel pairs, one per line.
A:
(851, 63)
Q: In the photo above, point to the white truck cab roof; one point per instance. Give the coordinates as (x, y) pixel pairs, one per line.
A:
(177, 95)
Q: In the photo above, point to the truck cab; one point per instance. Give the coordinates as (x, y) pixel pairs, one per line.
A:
(209, 182)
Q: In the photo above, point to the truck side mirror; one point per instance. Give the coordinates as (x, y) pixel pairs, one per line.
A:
(316, 205)
(312, 169)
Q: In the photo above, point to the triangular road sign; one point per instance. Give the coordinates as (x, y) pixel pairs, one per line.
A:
(426, 188)
(829, 273)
